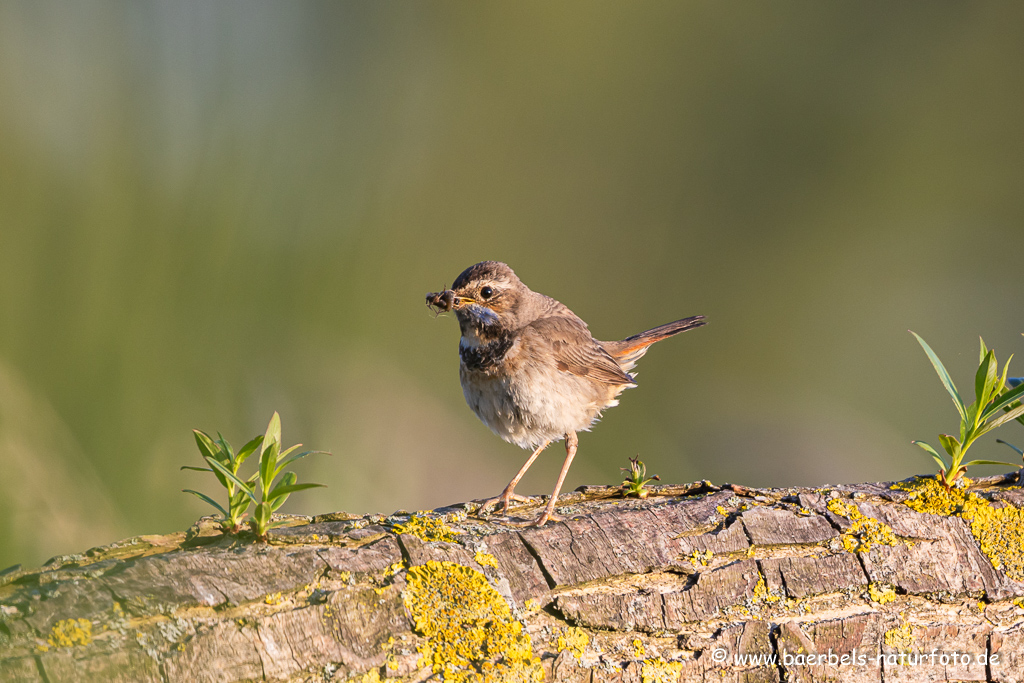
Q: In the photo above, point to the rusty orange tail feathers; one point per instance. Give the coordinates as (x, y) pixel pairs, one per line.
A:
(631, 348)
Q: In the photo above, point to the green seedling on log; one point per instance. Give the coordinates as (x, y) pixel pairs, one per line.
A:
(224, 464)
(273, 464)
(995, 404)
(636, 478)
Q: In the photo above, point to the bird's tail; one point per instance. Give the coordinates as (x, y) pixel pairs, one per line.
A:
(628, 351)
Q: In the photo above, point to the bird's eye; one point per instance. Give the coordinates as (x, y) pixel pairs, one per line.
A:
(486, 292)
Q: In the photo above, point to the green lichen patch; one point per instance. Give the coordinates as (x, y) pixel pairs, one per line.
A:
(471, 633)
(427, 528)
(864, 532)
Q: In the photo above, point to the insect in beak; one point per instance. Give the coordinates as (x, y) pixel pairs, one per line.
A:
(441, 302)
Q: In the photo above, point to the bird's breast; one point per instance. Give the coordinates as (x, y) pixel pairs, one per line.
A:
(524, 397)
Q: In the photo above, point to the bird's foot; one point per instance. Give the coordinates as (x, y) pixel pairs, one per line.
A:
(540, 521)
(546, 517)
(506, 497)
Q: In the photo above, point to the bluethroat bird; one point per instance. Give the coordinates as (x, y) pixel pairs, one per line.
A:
(530, 368)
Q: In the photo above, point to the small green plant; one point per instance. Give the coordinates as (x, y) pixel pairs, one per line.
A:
(1014, 382)
(273, 462)
(220, 452)
(636, 478)
(995, 404)
(1007, 443)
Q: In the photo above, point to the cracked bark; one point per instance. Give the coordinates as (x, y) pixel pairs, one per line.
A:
(681, 577)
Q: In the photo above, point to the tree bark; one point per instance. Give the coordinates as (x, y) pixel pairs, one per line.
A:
(843, 583)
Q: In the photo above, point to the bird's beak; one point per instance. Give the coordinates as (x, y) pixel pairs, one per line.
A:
(447, 301)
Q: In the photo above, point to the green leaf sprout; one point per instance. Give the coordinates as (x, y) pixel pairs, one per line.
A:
(273, 462)
(636, 478)
(225, 464)
(995, 404)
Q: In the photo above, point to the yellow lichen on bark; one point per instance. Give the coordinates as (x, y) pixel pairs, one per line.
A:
(761, 592)
(1000, 534)
(864, 531)
(70, 632)
(485, 559)
(881, 594)
(471, 633)
(659, 671)
(427, 528)
(701, 558)
(573, 639)
(931, 497)
(998, 530)
(901, 637)
(372, 676)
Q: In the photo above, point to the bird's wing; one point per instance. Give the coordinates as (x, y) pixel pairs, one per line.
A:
(573, 350)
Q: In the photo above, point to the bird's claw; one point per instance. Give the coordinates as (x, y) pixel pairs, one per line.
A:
(540, 521)
(546, 517)
(506, 497)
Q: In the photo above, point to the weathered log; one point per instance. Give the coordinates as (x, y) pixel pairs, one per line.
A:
(870, 582)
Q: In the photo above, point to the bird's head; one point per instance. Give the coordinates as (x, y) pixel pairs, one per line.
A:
(486, 298)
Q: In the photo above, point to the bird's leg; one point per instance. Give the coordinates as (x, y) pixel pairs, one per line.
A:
(508, 495)
(571, 442)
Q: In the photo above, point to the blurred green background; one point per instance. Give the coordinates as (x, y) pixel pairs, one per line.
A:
(211, 211)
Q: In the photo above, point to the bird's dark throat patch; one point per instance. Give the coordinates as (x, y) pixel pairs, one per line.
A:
(486, 356)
